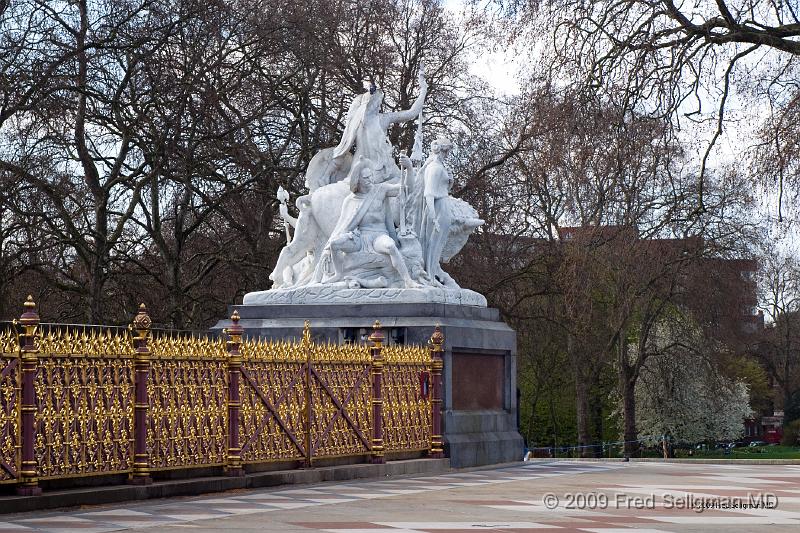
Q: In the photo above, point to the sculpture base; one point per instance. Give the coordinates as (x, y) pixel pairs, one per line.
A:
(480, 401)
(326, 294)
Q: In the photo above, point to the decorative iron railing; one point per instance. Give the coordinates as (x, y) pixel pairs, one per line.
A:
(10, 401)
(84, 410)
(406, 404)
(79, 401)
(187, 391)
(271, 424)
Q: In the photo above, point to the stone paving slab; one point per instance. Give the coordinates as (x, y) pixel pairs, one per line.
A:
(508, 499)
(105, 494)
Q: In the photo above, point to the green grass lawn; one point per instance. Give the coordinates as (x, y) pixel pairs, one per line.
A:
(758, 452)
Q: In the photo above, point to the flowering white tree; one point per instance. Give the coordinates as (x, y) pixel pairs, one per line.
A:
(681, 394)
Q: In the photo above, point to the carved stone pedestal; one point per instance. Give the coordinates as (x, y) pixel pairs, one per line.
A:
(480, 402)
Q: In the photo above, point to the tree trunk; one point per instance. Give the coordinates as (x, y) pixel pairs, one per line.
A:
(627, 387)
(630, 436)
(96, 288)
(582, 417)
(175, 298)
(596, 408)
(99, 237)
(554, 422)
(787, 392)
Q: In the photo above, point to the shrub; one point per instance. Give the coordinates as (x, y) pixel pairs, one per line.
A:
(791, 433)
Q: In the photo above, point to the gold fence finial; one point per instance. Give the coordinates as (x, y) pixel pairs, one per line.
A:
(234, 332)
(142, 319)
(377, 336)
(29, 317)
(437, 339)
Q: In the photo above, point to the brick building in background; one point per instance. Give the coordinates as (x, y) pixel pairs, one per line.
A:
(721, 293)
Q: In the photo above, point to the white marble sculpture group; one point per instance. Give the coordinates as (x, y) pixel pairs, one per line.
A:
(368, 231)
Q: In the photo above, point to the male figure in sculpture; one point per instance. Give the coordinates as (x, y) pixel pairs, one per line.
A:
(365, 229)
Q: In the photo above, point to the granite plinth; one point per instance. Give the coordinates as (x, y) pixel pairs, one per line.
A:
(480, 432)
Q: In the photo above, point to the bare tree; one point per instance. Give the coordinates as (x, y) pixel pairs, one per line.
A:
(143, 141)
(681, 61)
(779, 348)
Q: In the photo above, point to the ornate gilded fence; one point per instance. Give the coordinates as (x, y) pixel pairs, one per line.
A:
(79, 401)
(10, 386)
(84, 409)
(406, 412)
(304, 401)
(188, 415)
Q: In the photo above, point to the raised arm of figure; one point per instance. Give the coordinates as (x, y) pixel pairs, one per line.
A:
(284, 211)
(387, 119)
(406, 162)
(409, 178)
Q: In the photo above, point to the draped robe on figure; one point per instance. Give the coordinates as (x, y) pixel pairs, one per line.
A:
(362, 256)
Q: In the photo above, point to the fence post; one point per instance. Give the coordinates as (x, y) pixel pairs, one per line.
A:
(28, 474)
(308, 409)
(377, 393)
(233, 467)
(437, 364)
(141, 459)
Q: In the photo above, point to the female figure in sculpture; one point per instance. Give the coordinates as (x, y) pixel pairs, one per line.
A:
(432, 211)
(366, 127)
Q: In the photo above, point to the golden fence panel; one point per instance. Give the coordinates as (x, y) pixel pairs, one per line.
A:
(406, 412)
(340, 395)
(188, 414)
(10, 385)
(83, 341)
(84, 416)
(271, 424)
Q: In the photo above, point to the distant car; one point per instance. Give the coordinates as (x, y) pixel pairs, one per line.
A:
(737, 444)
(757, 443)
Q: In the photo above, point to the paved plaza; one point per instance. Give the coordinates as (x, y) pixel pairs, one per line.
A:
(554, 496)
